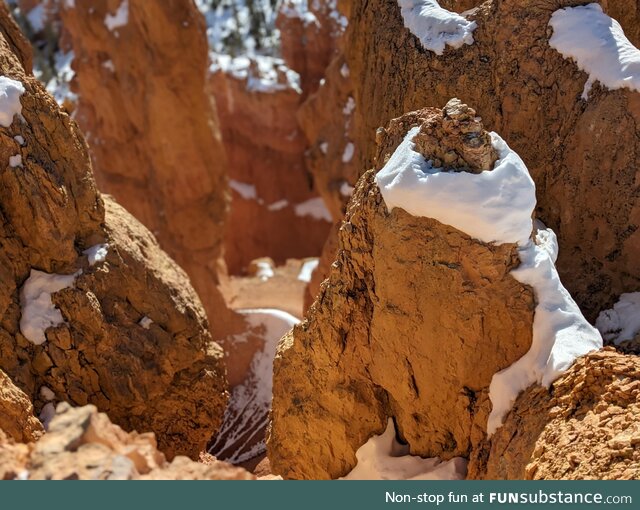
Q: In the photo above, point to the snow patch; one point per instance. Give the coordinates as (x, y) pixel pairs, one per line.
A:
(36, 17)
(250, 401)
(38, 311)
(19, 139)
(262, 73)
(344, 71)
(492, 206)
(120, 18)
(276, 206)
(264, 270)
(560, 332)
(347, 155)
(246, 191)
(622, 322)
(346, 190)
(324, 147)
(307, 269)
(598, 45)
(315, 208)
(434, 26)
(10, 92)
(15, 161)
(60, 85)
(97, 253)
(349, 106)
(383, 458)
(145, 322)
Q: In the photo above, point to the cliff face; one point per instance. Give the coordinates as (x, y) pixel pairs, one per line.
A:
(91, 309)
(153, 129)
(276, 210)
(581, 153)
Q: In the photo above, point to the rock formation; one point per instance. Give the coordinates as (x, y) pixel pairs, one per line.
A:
(311, 32)
(585, 427)
(275, 208)
(16, 413)
(90, 307)
(417, 317)
(153, 129)
(82, 444)
(581, 152)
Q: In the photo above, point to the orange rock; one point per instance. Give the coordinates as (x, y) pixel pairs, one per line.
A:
(153, 129)
(584, 427)
(581, 154)
(415, 319)
(125, 330)
(82, 444)
(267, 168)
(16, 415)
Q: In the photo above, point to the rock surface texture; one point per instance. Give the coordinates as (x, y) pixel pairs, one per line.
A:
(384, 339)
(16, 413)
(153, 129)
(585, 427)
(82, 444)
(581, 153)
(90, 307)
(269, 179)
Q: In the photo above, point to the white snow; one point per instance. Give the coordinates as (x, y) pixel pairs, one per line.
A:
(347, 155)
(493, 206)
(97, 253)
(36, 17)
(38, 312)
(496, 207)
(560, 332)
(108, 64)
(622, 322)
(276, 206)
(120, 18)
(60, 85)
(344, 71)
(349, 106)
(434, 26)
(299, 9)
(46, 393)
(145, 322)
(231, 28)
(250, 401)
(346, 190)
(264, 270)
(19, 139)
(47, 414)
(15, 161)
(383, 458)
(324, 147)
(10, 92)
(315, 208)
(246, 191)
(307, 269)
(262, 73)
(598, 45)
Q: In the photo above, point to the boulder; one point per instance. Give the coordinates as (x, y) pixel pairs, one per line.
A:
(90, 307)
(82, 444)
